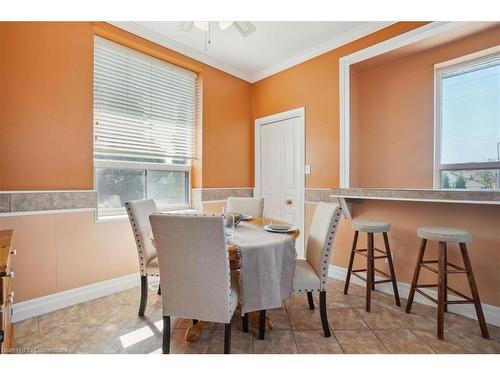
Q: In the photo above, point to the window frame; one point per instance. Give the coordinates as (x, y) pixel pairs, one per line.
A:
(110, 212)
(457, 65)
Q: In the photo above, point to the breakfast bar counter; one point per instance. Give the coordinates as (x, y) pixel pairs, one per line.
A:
(420, 195)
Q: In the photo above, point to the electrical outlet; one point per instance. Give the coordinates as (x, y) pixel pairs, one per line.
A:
(307, 169)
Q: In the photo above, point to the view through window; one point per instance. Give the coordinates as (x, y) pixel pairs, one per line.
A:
(469, 143)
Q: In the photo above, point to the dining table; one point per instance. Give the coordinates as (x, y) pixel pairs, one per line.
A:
(234, 248)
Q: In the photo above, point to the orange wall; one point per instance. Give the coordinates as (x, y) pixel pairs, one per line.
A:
(314, 85)
(46, 106)
(46, 121)
(393, 112)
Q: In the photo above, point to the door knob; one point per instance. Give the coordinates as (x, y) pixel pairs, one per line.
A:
(288, 201)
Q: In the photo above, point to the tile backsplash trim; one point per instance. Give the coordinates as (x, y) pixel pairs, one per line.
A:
(46, 201)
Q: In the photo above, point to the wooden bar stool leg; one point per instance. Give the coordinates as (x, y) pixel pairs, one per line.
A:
(351, 262)
(441, 290)
(416, 274)
(445, 277)
(391, 269)
(369, 270)
(474, 291)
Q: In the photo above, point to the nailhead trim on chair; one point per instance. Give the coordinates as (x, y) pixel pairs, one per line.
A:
(333, 231)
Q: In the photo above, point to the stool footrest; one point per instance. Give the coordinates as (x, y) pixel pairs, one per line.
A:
(456, 292)
(382, 281)
(362, 252)
(423, 265)
(358, 276)
(426, 295)
(457, 269)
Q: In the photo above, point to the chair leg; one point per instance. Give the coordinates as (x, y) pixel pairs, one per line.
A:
(351, 262)
(144, 295)
(474, 291)
(227, 338)
(310, 300)
(445, 278)
(165, 346)
(159, 289)
(262, 324)
(244, 322)
(416, 274)
(369, 271)
(322, 310)
(441, 290)
(391, 269)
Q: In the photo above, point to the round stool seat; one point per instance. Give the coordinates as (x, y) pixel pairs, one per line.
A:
(371, 226)
(441, 234)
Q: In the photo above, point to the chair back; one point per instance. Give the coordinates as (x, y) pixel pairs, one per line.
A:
(320, 238)
(194, 266)
(247, 206)
(138, 214)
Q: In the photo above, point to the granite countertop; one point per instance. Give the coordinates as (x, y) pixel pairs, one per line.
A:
(420, 195)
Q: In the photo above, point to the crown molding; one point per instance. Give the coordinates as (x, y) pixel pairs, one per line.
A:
(135, 28)
(320, 49)
(310, 53)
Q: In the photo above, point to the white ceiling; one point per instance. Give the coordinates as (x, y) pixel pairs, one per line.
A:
(273, 47)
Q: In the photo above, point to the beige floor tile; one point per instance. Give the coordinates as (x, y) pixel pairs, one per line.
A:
(276, 342)
(345, 319)
(401, 341)
(297, 301)
(26, 327)
(241, 342)
(452, 343)
(314, 342)
(305, 319)
(359, 342)
(381, 318)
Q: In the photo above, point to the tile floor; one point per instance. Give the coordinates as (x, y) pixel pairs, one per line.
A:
(111, 325)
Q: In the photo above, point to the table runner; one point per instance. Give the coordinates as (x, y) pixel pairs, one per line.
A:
(267, 267)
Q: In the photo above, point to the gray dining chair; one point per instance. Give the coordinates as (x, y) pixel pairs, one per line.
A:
(311, 274)
(248, 206)
(195, 277)
(138, 214)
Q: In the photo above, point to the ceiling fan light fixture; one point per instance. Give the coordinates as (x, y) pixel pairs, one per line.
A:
(223, 25)
(202, 25)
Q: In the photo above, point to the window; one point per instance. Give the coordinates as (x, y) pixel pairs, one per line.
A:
(468, 124)
(144, 120)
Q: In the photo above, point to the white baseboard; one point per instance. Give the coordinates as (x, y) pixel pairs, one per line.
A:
(38, 306)
(491, 313)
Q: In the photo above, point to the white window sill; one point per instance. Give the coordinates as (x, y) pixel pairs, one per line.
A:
(124, 216)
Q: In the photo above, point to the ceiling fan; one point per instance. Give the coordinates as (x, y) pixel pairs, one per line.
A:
(245, 28)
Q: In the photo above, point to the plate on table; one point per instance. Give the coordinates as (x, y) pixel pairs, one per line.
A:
(279, 228)
(246, 217)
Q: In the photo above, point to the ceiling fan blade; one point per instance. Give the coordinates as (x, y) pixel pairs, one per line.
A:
(244, 27)
(186, 25)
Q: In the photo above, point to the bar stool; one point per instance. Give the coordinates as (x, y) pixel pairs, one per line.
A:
(370, 227)
(445, 236)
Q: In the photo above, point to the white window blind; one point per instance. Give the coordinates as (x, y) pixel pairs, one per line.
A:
(144, 108)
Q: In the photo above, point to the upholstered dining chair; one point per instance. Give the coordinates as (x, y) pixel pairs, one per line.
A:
(311, 274)
(195, 277)
(138, 214)
(248, 206)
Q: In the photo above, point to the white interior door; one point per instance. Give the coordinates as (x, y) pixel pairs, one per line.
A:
(280, 170)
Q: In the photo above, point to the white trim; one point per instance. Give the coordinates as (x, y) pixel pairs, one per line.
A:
(413, 36)
(45, 212)
(317, 50)
(320, 49)
(491, 313)
(38, 306)
(293, 113)
(224, 188)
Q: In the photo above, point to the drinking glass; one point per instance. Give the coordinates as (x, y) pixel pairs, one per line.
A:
(229, 224)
